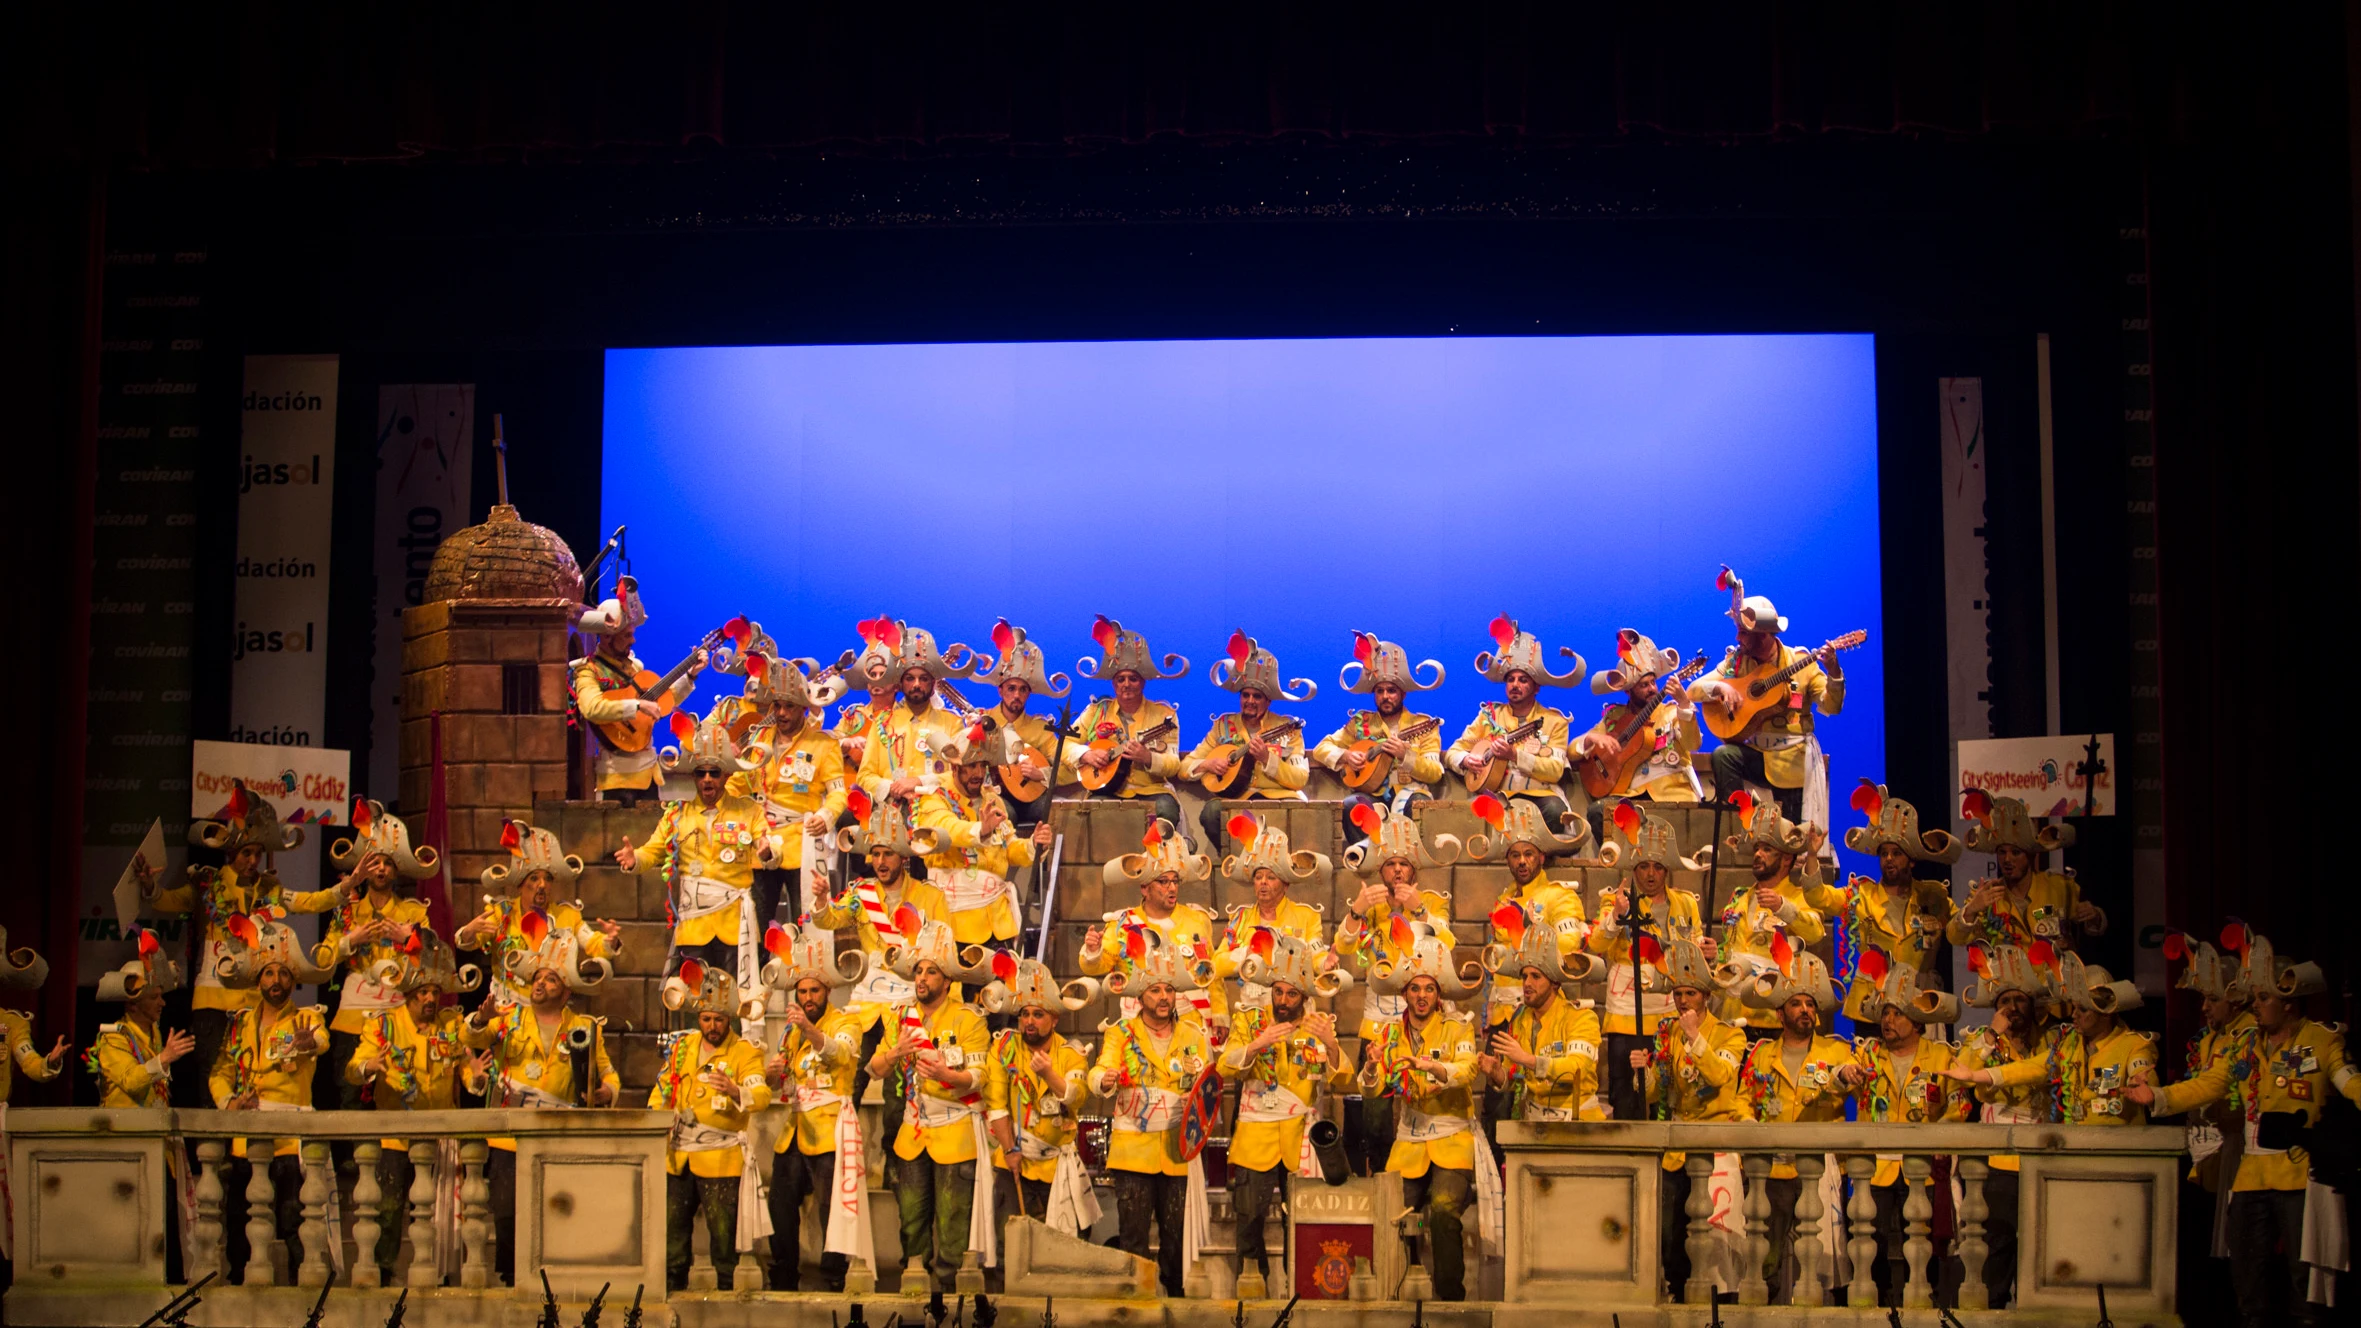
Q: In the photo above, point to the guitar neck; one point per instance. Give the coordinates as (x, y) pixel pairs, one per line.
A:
(673, 675)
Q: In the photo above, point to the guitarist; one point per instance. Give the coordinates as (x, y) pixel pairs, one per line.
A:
(1535, 763)
(1381, 670)
(1669, 773)
(1780, 752)
(979, 850)
(1280, 768)
(1019, 673)
(606, 695)
(1128, 665)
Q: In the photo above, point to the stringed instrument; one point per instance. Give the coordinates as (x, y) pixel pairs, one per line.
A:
(1495, 773)
(1114, 773)
(638, 733)
(1376, 765)
(1600, 776)
(1011, 776)
(1762, 689)
(1229, 770)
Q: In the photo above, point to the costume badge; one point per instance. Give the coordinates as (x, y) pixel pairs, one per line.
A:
(2300, 1089)
(729, 855)
(953, 1057)
(2105, 1077)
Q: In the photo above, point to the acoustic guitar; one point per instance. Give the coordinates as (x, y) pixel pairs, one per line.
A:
(1115, 772)
(1011, 776)
(1495, 773)
(1229, 770)
(1376, 765)
(1601, 777)
(1762, 689)
(638, 733)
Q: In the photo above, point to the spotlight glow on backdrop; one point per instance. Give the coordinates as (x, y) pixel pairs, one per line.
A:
(1412, 487)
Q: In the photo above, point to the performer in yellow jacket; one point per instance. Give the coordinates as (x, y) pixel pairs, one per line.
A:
(2022, 905)
(2023, 1004)
(413, 1058)
(1769, 921)
(1425, 1063)
(372, 920)
(1893, 912)
(813, 1069)
(24, 970)
(1648, 849)
(1667, 772)
(1897, 1078)
(1533, 897)
(624, 760)
(1544, 1053)
(134, 1056)
(1799, 1075)
(1410, 745)
(2091, 1063)
(1284, 1056)
(898, 762)
(265, 1064)
(937, 1048)
(1274, 744)
(1020, 673)
(980, 851)
(1536, 762)
(514, 925)
(884, 908)
(1034, 1096)
(1691, 1068)
(1269, 865)
(1780, 753)
(1391, 915)
(707, 849)
(1146, 1066)
(1116, 945)
(800, 782)
(1129, 717)
(712, 1081)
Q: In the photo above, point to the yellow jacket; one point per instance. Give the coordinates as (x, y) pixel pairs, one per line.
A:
(1696, 1079)
(1189, 927)
(424, 1068)
(681, 1088)
(1422, 764)
(1145, 1079)
(1163, 761)
(1748, 930)
(904, 743)
(1547, 903)
(970, 861)
(1282, 776)
(215, 894)
(1295, 918)
(1296, 1069)
(2088, 1080)
(2045, 913)
(937, 1119)
(2296, 1075)
(1366, 940)
(1921, 1096)
(1042, 1108)
(1565, 1085)
(362, 996)
(534, 1066)
(819, 1080)
(17, 1031)
(1668, 776)
(855, 725)
(1904, 927)
(845, 910)
(592, 675)
(511, 936)
(1812, 1094)
(276, 1062)
(716, 843)
(1609, 941)
(1779, 737)
(804, 774)
(2025, 1104)
(2227, 1112)
(1540, 761)
(1386, 1053)
(130, 1067)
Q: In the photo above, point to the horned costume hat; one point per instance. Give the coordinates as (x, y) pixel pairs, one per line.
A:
(1765, 826)
(1685, 965)
(1122, 650)
(1520, 821)
(558, 949)
(709, 989)
(1030, 985)
(1636, 659)
(883, 825)
(260, 940)
(2089, 987)
(23, 967)
(150, 967)
(1897, 985)
(429, 961)
(1651, 839)
(1893, 821)
(1248, 665)
(2207, 973)
(1751, 613)
(1526, 944)
(2006, 968)
(809, 952)
(933, 943)
(706, 745)
(917, 651)
(1022, 661)
(378, 831)
(2265, 972)
(1428, 957)
(1377, 662)
(532, 849)
(1262, 844)
(977, 743)
(1391, 836)
(1148, 959)
(1520, 651)
(772, 677)
(1804, 975)
(1272, 957)
(2006, 822)
(1162, 849)
(246, 819)
(620, 612)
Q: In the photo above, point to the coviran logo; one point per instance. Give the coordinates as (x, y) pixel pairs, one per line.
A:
(267, 474)
(256, 641)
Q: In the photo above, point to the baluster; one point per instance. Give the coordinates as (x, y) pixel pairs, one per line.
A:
(262, 1229)
(1809, 1287)
(1860, 1168)
(207, 1238)
(314, 1233)
(1973, 1294)
(475, 1224)
(367, 1229)
(702, 1275)
(1701, 1239)
(1752, 1289)
(1916, 1210)
(424, 1270)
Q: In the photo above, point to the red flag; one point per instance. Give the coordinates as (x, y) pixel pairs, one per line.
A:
(1504, 629)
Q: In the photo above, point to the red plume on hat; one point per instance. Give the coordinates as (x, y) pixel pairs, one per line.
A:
(1241, 645)
(1625, 639)
(908, 921)
(1004, 637)
(2176, 945)
(692, 973)
(1244, 828)
(237, 803)
(758, 667)
(1628, 819)
(1004, 966)
(361, 817)
(684, 725)
(1782, 949)
(775, 940)
(1509, 920)
(1103, 631)
(511, 838)
(2234, 937)
(1978, 963)
(1364, 646)
(535, 926)
(1744, 802)
(1504, 629)
(857, 801)
(1976, 805)
(1263, 942)
(1489, 809)
(1366, 817)
(1867, 800)
(2041, 954)
(1873, 964)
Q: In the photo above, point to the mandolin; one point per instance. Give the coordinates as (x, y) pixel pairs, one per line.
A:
(1762, 689)
(1495, 773)
(1011, 776)
(1228, 770)
(1601, 777)
(1114, 773)
(637, 733)
(1377, 764)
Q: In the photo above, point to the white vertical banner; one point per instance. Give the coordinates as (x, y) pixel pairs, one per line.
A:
(286, 488)
(425, 448)
(1967, 613)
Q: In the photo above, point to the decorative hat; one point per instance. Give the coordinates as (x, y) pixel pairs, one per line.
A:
(1391, 836)
(151, 967)
(532, 849)
(809, 952)
(1126, 650)
(1685, 965)
(2265, 971)
(1764, 825)
(1262, 844)
(1804, 975)
(2002, 821)
(1032, 986)
(1521, 650)
(881, 641)
(883, 825)
(620, 612)
(1524, 945)
(1636, 658)
(1652, 838)
(1272, 957)
(2089, 987)
(2006, 968)
(708, 988)
(382, 832)
(1893, 821)
(1162, 849)
(1377, 662)
(917, 651)
(981, 741)
(1022, 661)
(772, 677)
(428, 961)
(1427, 958)
(245, 819)
(555, 948)
(1520, 821)
(1147, 959)
(2208, 973)
(1897, 985)
(23, 967)
(1249, 665)
(933, 943)
(1752, 613)
(706, 745)
(259, 940)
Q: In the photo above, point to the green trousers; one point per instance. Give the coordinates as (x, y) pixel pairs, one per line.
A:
(684, 1194)
(937, 1202)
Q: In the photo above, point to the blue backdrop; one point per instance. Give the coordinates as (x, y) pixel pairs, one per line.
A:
(1411, 487)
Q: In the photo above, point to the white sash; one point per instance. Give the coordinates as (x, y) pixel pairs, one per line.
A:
(754, 1216)
(2205, 1140)
(848, 1201)
(936, 1113)
(882, 987)
(1196, 1215)
(1419, 1128)
(1147, 1110)
(1073, 1205)
(1619, 995)
(702, 896)
(367, 995)
(967, 889)
(1491, 1200)
(629, 763)
(521, 1094)
(1264, 1102)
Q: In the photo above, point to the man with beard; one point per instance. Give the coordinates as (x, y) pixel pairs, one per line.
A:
(1145, 1069)
(1129, 665)
(708, 848)
(2019, 996)
(1898, 1081)
(937, 1049)
(1532, 899)
(1796, 1076)
(979, 851)
(371, 925)
(800, 782)
(898, 764)
(1386, 922)
(267, 1056)
(1275, 746)
(1269, 865)
(1413, 743)
(1665, 916)
(412, 1058)
(2023, 905)
(1780, 752)
(1019, 674)
(1535, 763)
(1767, 923)
(1032, 1096)
(1691, 1066)
(813, 1070)
(541, 868)
(1668, 737)
(713, 1084)
(625, 761)
(1425, 1064)
(1894, 913)
(1159, 920)
(2094, 1062)
(1544, 1055)
(1283, 1055)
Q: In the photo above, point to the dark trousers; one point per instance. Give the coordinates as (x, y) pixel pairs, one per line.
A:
(1142, 1197)
(795, 1174)
(500, 1175)
(890, 1122)
(1672, 1229)
(685, 1197)
(341, 1047)
(1253, 1194)
(1375, 1136)
(286, 1175)
(394, 1174)
(1444, 1195)
(2000, 1237)
(936, 1203)
(1162, 806)
(776, 886)
(1354, 834)
(713, 954)
(2266, 1240)
(1004, 1198)
(2205, 1296)
(1213, 820)
(1026, 815)
(1626, 1091)
(1893, 1268)
(208, 1027)
(1735, 763)
(1783, 1194)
